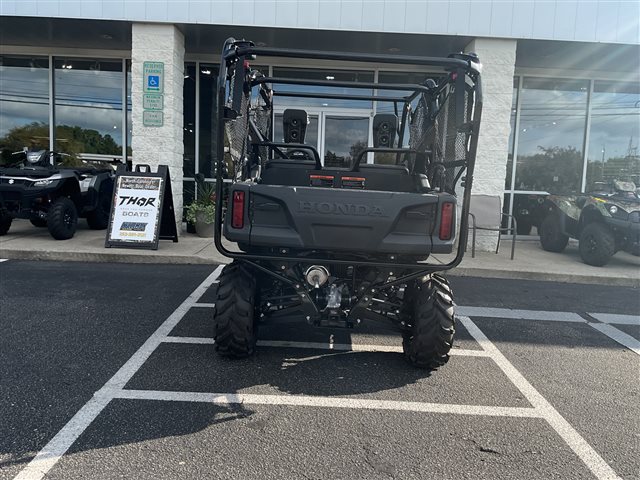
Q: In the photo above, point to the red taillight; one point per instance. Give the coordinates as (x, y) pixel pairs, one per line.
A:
(446, 221)
(237, 210)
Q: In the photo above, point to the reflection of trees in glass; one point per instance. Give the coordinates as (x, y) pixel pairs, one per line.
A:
(331, 159)
(618, 168)
(72, 140)
(34, 136)
(356, 149)
(554, 169)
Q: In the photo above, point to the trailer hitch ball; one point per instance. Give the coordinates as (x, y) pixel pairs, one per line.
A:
(316, 275)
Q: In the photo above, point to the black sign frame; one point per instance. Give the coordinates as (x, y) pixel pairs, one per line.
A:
(165, 226)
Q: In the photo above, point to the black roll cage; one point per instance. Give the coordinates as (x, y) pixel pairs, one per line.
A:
(461, 65)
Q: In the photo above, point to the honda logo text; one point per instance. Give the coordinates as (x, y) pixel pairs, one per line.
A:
(335, 208)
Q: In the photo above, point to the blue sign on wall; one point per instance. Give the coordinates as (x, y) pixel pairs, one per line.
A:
(153, 82)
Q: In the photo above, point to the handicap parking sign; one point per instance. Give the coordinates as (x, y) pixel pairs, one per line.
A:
(152, 73)
(153, 82)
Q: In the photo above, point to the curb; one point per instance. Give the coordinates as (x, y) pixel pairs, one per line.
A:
(545, 277)
(155, 258)
(107, 257)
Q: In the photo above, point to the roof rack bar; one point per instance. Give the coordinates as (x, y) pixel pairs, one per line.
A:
(331, 83)
(243, 50)
(338, 96)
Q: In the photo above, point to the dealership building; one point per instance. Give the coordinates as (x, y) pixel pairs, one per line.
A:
(561, 80)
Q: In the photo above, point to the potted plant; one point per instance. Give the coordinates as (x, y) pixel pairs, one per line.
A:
(201, 211)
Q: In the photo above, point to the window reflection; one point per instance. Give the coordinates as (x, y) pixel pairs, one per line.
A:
(189, 122)
(345, 138)
(208, 78)
(512, 122)
(323, 74)
(615, 131)
(129, 124)
(552, 127)
(24, 100)
(88, 106)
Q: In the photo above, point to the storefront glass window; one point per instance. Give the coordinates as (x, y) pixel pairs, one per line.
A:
(208, 86)
(189, 122)
(129, 124)
(24, 100)
(552, 128)
(345, 138)
(615, 134)
(88, 106)
(323, 74)
(512, 121)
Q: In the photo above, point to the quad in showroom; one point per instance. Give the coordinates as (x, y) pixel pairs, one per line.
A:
(339, 240)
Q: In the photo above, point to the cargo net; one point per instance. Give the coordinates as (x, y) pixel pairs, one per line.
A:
(237, 131)
(434, 128)
(261, 114)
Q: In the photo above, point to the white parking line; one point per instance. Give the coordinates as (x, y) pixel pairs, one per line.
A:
(59, 444)
(327, 402)
(570, 435)
(343, 347)
(617, 318)
(114, 388)
(517, 314)
(3, 260)
(619, 336)
(509, 313)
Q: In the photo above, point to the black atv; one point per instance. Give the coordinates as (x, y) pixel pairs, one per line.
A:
(342, 245)
(604, 222)
(38, 189)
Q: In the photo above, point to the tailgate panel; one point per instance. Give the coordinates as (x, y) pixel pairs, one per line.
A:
(337, 219)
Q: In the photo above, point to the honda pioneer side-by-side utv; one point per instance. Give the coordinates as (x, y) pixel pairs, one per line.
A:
(38, 189)
(341, 245)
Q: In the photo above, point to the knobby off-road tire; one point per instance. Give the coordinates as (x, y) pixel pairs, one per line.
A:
(431, 330)
(597, 244)
(234, 312)
(5, 224)
(38, 222)
(62, 219)
(551, 237)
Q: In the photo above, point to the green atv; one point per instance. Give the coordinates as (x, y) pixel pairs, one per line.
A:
(604, 222)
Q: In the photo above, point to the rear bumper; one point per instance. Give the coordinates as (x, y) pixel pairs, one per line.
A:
(314, 218)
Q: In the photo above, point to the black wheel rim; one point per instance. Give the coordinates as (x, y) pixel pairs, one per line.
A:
(67, 219)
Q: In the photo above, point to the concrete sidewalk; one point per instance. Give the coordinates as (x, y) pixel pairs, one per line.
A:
(531, 262)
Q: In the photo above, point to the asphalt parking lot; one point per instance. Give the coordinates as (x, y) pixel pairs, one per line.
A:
(108, 371)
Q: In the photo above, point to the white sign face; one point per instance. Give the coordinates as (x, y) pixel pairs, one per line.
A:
(152, 118)
(136, 209)
(153, 77)
(152, 101)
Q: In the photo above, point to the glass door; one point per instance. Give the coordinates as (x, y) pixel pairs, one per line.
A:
(344, 136)
(338, 134)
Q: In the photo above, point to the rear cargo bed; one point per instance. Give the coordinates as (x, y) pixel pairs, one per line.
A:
(338, 219)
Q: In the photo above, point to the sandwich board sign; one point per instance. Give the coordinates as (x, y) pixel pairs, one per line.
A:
(141, 209)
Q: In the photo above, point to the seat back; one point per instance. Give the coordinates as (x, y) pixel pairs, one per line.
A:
(487, 209)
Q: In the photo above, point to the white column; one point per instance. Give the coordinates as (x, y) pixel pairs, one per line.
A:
(498, 58)
(159, 145)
